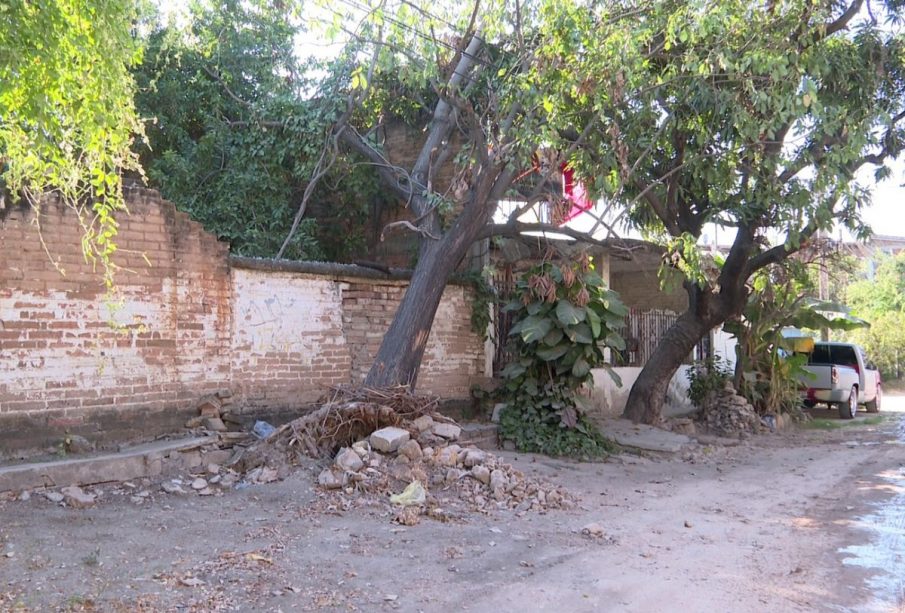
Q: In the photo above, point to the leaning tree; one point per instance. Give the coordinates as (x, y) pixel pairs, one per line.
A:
(754, 117)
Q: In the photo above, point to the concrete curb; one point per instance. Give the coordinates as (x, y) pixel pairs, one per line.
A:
(140, 461)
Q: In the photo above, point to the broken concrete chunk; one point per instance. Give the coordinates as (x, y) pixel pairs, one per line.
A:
(54, 497)
(389, 439)
(362, 449)
(76, 497)
(473, 457)
(214, 424)
(330, 479)
(593, 530)
(450, 432)
(482, 474)
(348, 460)
(411, 450)
(423, 423)
(171, 488)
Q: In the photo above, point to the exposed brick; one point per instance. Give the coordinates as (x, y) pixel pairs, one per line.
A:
(185, 324)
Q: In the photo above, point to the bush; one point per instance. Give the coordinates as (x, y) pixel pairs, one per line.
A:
(707, 377)
(564, 318)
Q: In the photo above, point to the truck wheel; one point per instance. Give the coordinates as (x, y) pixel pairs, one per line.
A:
(874, 405)
(848, 410)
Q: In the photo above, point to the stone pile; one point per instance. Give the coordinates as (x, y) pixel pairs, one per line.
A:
(727, 413)
(426, 452)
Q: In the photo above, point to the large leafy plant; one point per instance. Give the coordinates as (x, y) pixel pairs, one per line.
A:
(565, 318)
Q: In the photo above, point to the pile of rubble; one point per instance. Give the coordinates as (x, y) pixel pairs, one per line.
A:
(421, 470)
(727, 413)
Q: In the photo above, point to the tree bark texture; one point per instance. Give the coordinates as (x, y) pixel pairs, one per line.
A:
(645, 401)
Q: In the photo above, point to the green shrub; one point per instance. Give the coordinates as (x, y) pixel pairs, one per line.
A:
(564, 319)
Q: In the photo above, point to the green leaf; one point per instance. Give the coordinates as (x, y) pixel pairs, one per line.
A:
(568, 314)
(534, 328)
(580, 333)
(553, 337)
(552, 353)
(594, 321)
(512, 370)
(581, 368)
(615, 341)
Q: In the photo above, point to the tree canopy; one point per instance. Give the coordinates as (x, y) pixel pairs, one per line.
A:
(236, 124)
(67, 115)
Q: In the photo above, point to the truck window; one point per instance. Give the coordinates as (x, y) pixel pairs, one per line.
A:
(820, 355)
(844, 356)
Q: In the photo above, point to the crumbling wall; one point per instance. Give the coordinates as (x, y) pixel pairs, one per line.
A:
(75, 359)
(185, 321)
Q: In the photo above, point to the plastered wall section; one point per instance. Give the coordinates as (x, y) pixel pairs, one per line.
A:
(288, 342)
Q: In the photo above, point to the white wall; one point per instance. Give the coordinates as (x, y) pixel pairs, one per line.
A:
(608, 399)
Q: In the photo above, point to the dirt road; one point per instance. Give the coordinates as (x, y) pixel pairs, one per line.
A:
(786, 522)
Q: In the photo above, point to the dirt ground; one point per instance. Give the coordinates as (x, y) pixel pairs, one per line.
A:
(765, 525)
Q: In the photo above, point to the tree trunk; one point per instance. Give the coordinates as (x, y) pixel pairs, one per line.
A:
(399, 357)
(645, 401)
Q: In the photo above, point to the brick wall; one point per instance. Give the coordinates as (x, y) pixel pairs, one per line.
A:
(640, 289)
(454, 354)
(186, 321)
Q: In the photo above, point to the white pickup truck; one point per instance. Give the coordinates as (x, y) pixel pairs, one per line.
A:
(841, 376)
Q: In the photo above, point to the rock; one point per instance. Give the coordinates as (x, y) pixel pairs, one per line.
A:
(213, 469)
(262, 474)
(362, 449)
(199, 484)
(498, 480)
(54, 497)
(447, 457)
(450, 432)
(214, 480)
(330, 479)
(214, 424)
(25, 495)
(411, 450)
(481, 473)
(171, 488)
(453, 475)
(76, 497)
(473, 457)
(348, 460)
(228, 480)
(593, 529)
(423, 423)
(388, 439)
(205, 492)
